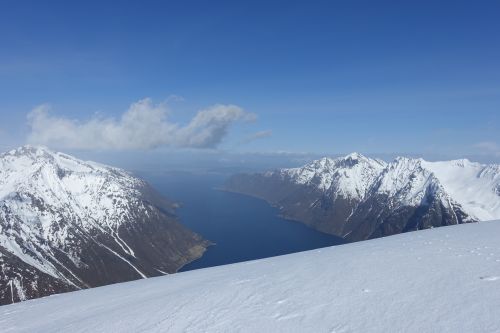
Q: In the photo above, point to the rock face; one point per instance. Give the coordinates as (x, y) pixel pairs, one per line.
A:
(67, 224)
(357, 198)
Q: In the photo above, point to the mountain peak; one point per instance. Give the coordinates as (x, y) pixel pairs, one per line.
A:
(28, 160)
(463, 162)
(29, 149)
(354, 159)
(351, 175)
(354, 156)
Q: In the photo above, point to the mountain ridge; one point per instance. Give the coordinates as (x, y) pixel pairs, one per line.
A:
(357, 197)
(67, 224)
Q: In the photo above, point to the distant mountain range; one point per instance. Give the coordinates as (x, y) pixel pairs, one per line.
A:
(357, 198)
(67, 224)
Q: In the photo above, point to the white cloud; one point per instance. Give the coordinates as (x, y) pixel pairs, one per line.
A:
(258, 135)
(144, 125)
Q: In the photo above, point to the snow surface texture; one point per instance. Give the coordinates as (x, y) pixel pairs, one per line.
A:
(474, 187)
(436, 280)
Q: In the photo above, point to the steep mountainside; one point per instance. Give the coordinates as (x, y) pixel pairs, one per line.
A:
(67, 224)
(358, 198)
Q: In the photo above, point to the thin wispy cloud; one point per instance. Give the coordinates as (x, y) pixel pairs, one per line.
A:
(144, 125)
(487, 147)
(257, 136)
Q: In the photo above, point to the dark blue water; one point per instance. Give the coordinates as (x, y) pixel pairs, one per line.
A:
(243, 228)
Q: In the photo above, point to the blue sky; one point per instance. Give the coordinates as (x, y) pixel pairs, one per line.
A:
(420, 77)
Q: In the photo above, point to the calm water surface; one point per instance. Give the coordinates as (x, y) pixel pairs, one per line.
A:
(243, 228)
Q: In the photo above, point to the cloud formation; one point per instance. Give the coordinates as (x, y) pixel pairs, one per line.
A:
(487, 147)
(257, 135)
(144, 125)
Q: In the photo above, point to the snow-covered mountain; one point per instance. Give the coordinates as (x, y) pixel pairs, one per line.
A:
(440, 280)
(67, 224)
(350, 176)
(357, 197)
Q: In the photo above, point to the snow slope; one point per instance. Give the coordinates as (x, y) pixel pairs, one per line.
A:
(475, 186)
(437, 280)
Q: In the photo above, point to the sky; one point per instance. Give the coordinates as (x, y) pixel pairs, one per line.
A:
(252, 77)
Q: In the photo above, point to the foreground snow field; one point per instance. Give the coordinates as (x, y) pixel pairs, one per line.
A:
(437, 280)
